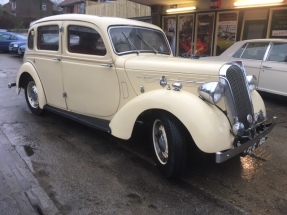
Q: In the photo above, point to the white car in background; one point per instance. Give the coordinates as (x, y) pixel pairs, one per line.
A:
(264, 58)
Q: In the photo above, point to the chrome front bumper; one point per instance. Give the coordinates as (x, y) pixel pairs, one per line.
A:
(247, 147)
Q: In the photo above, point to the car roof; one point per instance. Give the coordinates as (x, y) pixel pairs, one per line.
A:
(12, 33)
(101, 21)
(230, 51)
(264, 40)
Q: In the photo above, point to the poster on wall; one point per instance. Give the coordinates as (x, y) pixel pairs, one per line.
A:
(278, 27)
(185, 35)
(204, 32)
(169, 28)
(226, 31)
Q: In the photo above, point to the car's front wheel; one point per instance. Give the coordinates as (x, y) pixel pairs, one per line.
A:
(169, 145)
(31, 95)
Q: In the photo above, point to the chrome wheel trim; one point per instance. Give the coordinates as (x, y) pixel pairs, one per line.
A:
(32, 94)
(160, 142)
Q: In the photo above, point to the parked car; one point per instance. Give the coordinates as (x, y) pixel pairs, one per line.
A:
(7, 37)
(224, 41)
(185, 45)
(14, 46)
(21, 50)
(264, 58)
(116, 73)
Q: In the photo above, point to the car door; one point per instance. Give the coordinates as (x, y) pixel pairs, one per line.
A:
(48, 62)
(273, 73)
(5, 40)
(89, 76)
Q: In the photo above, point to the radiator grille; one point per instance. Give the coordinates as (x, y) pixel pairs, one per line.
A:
(240, 93)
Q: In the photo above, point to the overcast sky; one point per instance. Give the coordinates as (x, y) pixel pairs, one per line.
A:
(3, 1)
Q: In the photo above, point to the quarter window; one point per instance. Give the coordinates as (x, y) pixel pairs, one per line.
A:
(240, 51)
(13, 38)
(84, 40)
(31, 40)
(48, 38)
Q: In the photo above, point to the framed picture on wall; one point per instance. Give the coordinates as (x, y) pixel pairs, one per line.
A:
(226, 30)
(169, 27)
(254, 29)
(278, 23)
(185, 35)
(203, 36)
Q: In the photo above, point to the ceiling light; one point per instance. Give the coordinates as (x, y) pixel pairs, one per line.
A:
(182, 9)
(252, 3)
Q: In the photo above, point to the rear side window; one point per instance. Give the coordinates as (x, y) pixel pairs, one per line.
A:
(84, 40)
(255, 51)
(31, 40)
(48, 38)
(278, 52)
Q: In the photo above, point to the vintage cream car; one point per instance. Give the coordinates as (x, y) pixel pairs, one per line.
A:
(110, 73)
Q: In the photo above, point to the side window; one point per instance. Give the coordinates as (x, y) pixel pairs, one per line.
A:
(48, 38)
(84, 40)
(278, 52)
(255, 51)
(31, 40)
(4, 37)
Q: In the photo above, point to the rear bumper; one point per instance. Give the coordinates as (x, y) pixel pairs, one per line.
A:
(247, 147)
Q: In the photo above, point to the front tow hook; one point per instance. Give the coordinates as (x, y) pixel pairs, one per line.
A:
(10, 85)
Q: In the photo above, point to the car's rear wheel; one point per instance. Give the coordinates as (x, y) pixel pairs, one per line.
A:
(169, 145)
(31, 95)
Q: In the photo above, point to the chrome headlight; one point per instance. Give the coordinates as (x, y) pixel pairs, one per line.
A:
(211, 92)
(252, 82)
(15, 45)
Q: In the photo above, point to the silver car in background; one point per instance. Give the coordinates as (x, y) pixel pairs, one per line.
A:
(264, 58)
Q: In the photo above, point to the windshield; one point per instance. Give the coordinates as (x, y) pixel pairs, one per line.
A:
(127, 39)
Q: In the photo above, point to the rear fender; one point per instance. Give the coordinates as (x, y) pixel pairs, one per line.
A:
(28, 69)
(207, 124)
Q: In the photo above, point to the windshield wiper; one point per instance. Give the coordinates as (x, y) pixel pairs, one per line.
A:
(147, 44)
(131, 43)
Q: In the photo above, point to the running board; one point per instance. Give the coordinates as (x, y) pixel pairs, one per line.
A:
(96, 123)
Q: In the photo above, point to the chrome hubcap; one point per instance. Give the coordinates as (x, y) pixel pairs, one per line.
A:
(160, 142)
(32, 94)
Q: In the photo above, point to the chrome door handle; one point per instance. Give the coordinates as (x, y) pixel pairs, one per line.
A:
(56, 59)
(267, 67)
(107, 65)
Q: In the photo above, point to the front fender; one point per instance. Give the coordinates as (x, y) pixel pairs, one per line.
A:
(28, 69)
(257, 101)
(208, 126)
